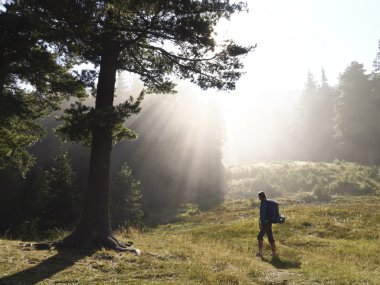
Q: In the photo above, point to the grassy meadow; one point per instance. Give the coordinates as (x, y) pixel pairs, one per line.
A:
(331, 242)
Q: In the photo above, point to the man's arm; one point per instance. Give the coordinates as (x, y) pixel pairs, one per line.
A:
(263, 214)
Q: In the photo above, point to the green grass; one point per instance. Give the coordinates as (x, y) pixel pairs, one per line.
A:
(289, 177)
(332, 243)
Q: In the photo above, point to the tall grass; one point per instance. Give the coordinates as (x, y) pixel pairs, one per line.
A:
(320, 243)
(318, 179)
(333, 243)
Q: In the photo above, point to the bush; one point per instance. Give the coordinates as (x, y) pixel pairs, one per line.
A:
(348, 187)
(56, 200)
(306, 197)
(321, 194)
(189, 209)
(126, 206)
(338, 178)
(28, 230)
(249, 187)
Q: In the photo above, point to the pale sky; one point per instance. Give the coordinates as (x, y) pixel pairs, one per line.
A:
(293, 37)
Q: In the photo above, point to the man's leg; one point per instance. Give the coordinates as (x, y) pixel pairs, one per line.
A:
(260, 252)
(273, 248)
(260, 240)
(271, 241)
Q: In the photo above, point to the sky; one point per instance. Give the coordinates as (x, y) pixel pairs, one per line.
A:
(297, 36)
(293, 37)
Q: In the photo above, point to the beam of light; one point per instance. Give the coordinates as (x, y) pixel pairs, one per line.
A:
(178, 154)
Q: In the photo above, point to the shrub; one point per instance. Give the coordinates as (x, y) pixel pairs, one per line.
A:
(321, 194)
(56, 200)
(338, 178)
(126, 206)
(348, 187)
(305, 197)
(189, 209)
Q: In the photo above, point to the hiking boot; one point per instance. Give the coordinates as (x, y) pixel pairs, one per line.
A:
(274, 256)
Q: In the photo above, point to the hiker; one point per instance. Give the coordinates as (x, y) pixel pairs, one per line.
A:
(265, 226)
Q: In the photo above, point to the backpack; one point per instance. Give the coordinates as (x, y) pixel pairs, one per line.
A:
(273, 212)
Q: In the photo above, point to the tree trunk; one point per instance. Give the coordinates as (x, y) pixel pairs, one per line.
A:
(95, 220)
(94, 227)
(3, 73)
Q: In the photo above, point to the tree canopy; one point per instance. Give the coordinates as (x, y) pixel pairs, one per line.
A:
(33, 82)
(159, 41)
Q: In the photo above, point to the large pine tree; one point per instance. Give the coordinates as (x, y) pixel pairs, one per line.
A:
(157, 40)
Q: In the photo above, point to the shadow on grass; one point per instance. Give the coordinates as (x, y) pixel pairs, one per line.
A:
(281, 263)
(47, 268)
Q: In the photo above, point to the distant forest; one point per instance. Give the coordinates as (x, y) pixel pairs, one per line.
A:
(177, 157)
(321, 123)
(341, 121)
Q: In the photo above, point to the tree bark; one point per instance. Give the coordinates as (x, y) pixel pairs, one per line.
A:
(3, 73)
(95, 219)
(94, 228)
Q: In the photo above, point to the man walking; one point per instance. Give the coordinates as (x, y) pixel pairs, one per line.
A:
(265, 226)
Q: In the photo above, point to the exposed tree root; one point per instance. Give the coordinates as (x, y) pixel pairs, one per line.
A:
(111, 242)
(38, 246)
(108, 242)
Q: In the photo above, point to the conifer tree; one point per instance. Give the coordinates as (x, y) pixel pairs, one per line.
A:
(324, 129)
(126, 207)
(305, 118)
(56, 199)
(33, 82)
(376, 62)
(154, 39)
(356, 115)
(315, 120)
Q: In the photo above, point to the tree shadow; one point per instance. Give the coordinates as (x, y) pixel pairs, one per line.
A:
(65, 258)
(281, 263)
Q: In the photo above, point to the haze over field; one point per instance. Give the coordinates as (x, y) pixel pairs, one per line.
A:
(293, 37)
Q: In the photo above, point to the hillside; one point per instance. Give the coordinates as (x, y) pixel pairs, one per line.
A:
(321, 243)
(310, 181)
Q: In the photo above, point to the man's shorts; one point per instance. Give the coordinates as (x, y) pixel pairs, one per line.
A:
(266, 230)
